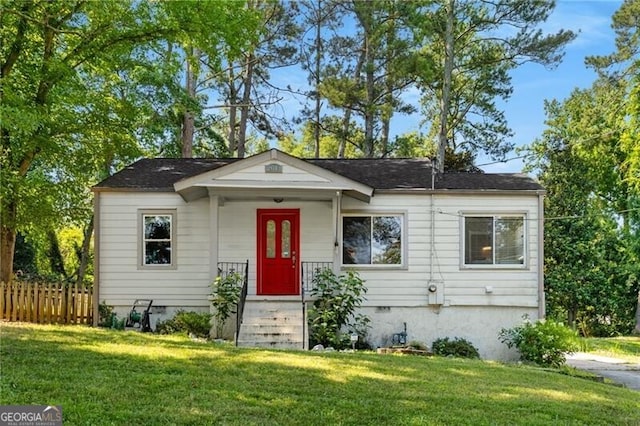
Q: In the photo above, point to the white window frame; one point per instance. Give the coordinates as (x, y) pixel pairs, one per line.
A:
(372, 214)
(494, 215)
(172, 213)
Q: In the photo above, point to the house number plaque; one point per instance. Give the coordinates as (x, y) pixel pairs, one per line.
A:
(273, 168)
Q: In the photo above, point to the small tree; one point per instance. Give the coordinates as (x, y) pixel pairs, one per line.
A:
(338, 298)
(225, 295)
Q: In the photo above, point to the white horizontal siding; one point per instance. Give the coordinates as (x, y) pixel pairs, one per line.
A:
(408, 287)
(257, 173)
(317, 230)
(121, 280)
(466, 286)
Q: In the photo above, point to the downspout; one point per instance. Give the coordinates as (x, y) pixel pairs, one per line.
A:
(432, 225)
(214, 204)
(96, 258)
(337, 208)
(541, 297)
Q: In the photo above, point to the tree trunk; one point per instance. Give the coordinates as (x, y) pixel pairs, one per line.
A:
(369, 114)
(388, 107)
(84, 253)
(188, 126)
(233, 112)
(364, 14)
(318, 42)
(446, 85)
(384, 142)
(7, 249)
(346, 120)
(244, 108)
(9, 207)
(187, 134)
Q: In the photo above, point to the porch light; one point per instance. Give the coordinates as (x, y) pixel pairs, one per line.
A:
(278, 200)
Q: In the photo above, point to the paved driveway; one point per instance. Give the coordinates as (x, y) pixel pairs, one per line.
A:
(618, 370)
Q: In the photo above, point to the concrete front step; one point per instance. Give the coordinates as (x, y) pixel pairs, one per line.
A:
(271, 345)
(273, 328)
(272, 324)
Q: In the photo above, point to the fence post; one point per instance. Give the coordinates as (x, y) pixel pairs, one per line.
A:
(78, 305)
(69, 303)
(81, 307)
(40, 302)
(52, 303)
(2, 300)
(14, 313)
(18, 301)
(57, 309)
(27, 302)
(89, 305)
(48, 305)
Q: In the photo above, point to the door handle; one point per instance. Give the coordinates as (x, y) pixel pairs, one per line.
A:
(293, 260)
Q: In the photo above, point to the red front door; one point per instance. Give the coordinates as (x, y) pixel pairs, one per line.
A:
(278, 251)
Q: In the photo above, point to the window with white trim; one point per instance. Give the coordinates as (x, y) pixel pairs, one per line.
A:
(157, 236)
(494, 240)
(372, 239)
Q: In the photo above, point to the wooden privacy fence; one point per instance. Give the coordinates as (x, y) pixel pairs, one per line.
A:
(46, 303)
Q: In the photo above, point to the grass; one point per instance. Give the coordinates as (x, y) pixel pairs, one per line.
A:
(104, 377)
(627, 348)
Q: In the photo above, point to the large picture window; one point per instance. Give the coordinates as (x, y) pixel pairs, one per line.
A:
(372, 240)
(157, 238)
(494, 240)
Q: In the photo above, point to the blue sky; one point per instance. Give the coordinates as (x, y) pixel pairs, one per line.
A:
(532, 83)
(591, 20)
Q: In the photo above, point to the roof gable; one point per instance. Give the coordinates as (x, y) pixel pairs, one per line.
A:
(271, 169)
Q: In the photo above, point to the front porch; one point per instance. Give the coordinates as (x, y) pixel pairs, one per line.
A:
(276, 211)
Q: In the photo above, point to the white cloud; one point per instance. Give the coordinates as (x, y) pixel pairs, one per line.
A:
(591, 20)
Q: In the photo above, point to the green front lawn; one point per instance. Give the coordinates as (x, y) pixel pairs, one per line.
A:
(127, 378)
(627, 348)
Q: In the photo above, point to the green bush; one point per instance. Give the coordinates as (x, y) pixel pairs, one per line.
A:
(192, 323)
(457, 347)
(332, 317)
(542, 342)
(105, 315)
(225, 294)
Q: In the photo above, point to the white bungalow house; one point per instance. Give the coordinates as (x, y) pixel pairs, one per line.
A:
(450, 255)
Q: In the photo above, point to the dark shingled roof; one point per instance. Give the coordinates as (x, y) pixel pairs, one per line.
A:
(161, 173)
(385, 173)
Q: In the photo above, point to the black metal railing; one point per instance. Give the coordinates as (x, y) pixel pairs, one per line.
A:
(242, 268)
(309, 270)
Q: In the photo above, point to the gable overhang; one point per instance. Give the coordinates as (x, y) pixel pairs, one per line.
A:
(267, 172)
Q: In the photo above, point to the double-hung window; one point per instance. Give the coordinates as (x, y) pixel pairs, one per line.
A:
(157, 239)
(494, 240)
(373, 239)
